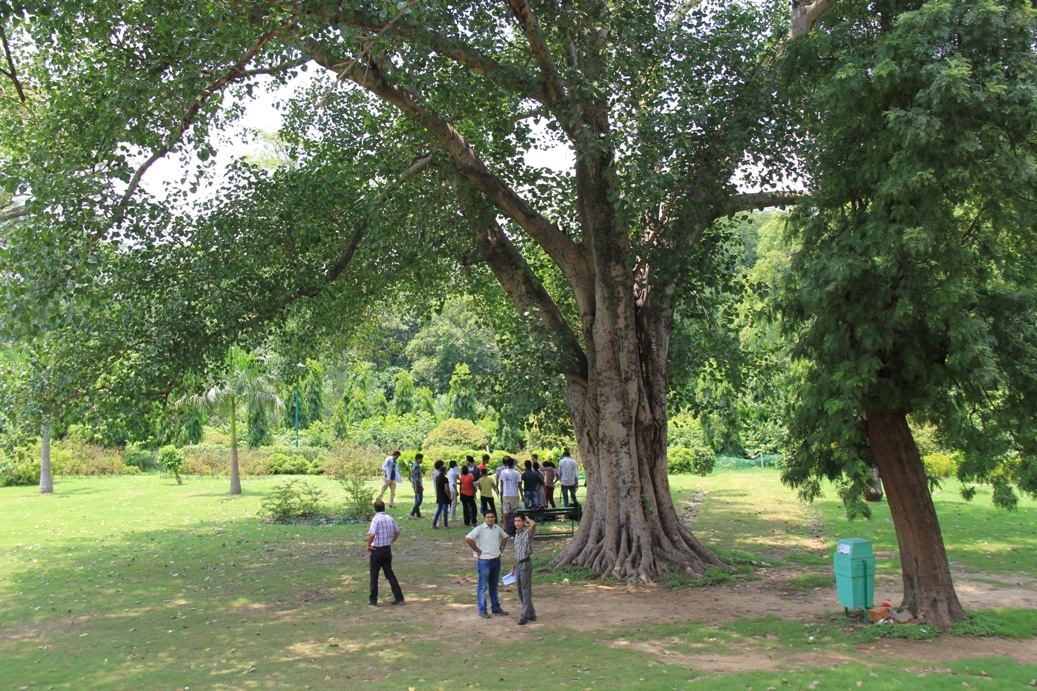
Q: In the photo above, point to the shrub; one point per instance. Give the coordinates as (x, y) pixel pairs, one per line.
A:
(137, 456)
(293, 499)
(359, 497)
(75, 458)
(454, 432)
(172, 458)
(939, 465)
(283, 464)
(684, 461)
(19, 471)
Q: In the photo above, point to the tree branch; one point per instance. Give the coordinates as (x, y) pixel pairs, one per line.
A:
(553, 86)
(276, 69)
(13, 214)
(560, 247)
(760, 201)
(518, 279)
(13, 73)
(418, 166)
(508, 77)
(805, 14)
(236, 71)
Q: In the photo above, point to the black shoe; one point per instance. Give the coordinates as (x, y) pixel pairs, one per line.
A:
(532, 619)
(521, 622)
(372, 603)
(484, 615)
(397, 602)
(500, 612)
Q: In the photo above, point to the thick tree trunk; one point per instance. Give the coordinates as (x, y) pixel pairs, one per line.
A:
(630, 528)
(46, 478)
(928, 589)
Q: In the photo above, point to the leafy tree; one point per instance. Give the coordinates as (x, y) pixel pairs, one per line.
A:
(257, 425)
(412, 180)
(462, 399)
(451, 336)
(911, 288)
(403, 393)
(244, 383)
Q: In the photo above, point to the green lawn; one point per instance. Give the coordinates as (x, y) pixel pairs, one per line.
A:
(136, 582)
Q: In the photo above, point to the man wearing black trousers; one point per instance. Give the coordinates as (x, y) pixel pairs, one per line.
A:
(380, 537)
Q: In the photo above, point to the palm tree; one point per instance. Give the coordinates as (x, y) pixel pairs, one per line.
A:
(245, 383)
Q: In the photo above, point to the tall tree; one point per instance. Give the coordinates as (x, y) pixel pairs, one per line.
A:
(661, 105)
(911, 289)
(244, 384)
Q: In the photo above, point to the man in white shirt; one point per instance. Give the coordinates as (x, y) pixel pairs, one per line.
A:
(391, 470)
(487, 540)
(453, 475)
(567, 477)
(509, 487)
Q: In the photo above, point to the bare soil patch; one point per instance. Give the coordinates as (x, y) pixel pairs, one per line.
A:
(607, 606)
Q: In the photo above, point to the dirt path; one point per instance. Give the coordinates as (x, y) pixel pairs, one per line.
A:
(604, 607)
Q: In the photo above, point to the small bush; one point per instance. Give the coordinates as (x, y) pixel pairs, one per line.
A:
(940, 465)
(20, 471)
(283, 464)
(137, 456)
(454, 432)
(172, 458)
(359, 497)
(291, 500)
(684, 461)
(74, 458)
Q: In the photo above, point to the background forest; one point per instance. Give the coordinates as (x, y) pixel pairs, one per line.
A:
(438, 382)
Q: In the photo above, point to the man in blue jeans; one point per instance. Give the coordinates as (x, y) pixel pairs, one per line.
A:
(487, 540)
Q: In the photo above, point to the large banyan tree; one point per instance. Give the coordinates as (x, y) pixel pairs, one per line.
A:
(407, 161)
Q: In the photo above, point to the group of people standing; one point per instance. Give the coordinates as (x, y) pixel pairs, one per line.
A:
(487, 541)
(453, 485)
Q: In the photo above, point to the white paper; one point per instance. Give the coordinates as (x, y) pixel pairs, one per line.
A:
(508, 579)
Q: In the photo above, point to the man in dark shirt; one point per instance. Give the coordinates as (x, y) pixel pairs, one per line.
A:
(530, 481)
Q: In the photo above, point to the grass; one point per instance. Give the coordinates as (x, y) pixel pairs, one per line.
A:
(134, 582)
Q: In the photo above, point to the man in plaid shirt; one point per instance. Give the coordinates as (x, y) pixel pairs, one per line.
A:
(380, 536)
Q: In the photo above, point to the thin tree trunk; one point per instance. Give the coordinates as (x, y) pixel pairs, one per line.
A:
(46, 478)
(928, 588)
(235, 478)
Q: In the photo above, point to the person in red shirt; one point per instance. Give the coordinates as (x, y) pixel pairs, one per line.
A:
(467, 482)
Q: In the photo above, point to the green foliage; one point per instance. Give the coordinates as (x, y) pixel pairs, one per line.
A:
(137, 456)
(1005, 623)
(455, 433)
(698, 461)
(359, 497)
(76, 458)
(258, 426)
(461, 400)
(19, 470)
(939, 465)
(452, 336)
(291, 500)
(387, 432)
(172, 459)
(908, 289)
(283, 464)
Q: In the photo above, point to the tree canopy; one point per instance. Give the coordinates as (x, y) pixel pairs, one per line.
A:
(910, 289)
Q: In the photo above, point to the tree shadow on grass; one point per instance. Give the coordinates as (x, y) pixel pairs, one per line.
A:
(189, 605)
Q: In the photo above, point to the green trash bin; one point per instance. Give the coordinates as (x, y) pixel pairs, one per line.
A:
(855, 573)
